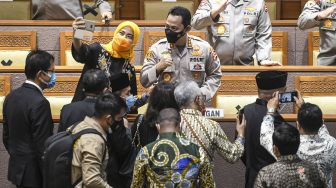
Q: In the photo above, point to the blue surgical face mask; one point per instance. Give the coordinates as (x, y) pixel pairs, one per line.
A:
(130, 101)
(52, 82)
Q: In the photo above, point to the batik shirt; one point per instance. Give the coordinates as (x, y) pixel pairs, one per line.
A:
(319, 148)
(172, 161)
(210, 136)
(290, 172)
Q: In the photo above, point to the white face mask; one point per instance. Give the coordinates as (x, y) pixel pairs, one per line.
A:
(282, 107)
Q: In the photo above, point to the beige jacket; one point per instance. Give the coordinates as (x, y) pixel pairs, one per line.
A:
(88, 155)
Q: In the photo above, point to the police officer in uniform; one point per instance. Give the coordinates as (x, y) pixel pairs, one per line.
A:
(238, 29)
(322, 13)
(181, 57)
(66, 9)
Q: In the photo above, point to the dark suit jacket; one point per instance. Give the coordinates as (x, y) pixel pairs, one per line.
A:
(255, 156)
(27, 124)
(75, 112)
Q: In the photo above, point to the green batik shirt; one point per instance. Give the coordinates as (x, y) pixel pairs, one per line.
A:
(172, 161)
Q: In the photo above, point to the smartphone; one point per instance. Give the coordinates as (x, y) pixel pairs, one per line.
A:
(86, 34)
(240, 115)
(90, 25)
(287, 97)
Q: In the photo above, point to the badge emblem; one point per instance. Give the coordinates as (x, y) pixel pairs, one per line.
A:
(196, 51)
(221, 30)
(328, 24)
(167, 77)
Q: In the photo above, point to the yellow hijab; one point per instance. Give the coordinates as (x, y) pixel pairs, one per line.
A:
(128, 54)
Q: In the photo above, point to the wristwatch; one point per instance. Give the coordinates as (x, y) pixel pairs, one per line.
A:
(271, 111)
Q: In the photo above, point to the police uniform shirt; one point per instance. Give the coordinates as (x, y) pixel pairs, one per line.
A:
(327, 55)
(63, 9)
(197, 61)
(239, 32)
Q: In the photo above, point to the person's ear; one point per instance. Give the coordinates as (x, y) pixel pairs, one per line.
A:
(298, 126)
(178, 128)
(276, 151)
(157, 127)
(188, 28)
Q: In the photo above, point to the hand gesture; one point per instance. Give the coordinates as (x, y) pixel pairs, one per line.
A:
(273, 103)
(325, 13)
(240, 127)
(298, 100)
(270, 63)
(79, 23)
(106, 17)
(165, 62)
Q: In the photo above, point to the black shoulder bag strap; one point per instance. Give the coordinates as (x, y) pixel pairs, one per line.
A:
(81, 133)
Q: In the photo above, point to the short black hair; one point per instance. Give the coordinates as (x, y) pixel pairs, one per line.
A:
(287, 139)
(37, 60)
(310, 117)
(95, 81)
(170, 115)
(109, 104)
(183, 12)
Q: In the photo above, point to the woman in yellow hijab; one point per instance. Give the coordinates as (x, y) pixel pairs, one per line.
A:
(114, 58)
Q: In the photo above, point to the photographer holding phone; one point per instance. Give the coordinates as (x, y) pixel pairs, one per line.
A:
(113, 58)
(316, 144)
(67, 9)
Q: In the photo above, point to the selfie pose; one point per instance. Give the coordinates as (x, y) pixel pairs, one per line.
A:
(113, 58)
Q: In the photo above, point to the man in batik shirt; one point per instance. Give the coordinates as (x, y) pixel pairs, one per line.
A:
(171, 161)
(316, 145)
(289, 170)
(205, 132)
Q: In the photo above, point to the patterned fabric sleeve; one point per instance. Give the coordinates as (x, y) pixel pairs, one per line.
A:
(231, 152)
(139, 172)
(206, 174)
(266, 133)
(260, 180)
(323, 131)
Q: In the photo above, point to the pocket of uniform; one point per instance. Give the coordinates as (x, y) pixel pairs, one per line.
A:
(250, 24)
(222, 28)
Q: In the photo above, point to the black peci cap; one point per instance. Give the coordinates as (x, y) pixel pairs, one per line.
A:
(269, 80)
(120, 82)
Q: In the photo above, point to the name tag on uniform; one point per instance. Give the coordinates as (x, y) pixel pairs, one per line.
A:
(197, 64)
(214, 113)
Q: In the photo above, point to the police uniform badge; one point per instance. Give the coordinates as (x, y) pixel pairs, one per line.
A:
(196, 51)
(221, 30)
(328, 24)
(167, 76)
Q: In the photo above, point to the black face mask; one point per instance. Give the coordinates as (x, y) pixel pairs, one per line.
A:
(172, 36)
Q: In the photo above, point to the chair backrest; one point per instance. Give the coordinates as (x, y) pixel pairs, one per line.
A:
(234, 91)
(313, 47)
(151, 37)
(15, 10)
(15, 46)
(5, 87)
(319, 90)
(102, 37)
(62, 93)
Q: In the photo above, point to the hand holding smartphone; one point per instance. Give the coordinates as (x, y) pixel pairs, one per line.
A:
(287, 97)
(85, 33)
